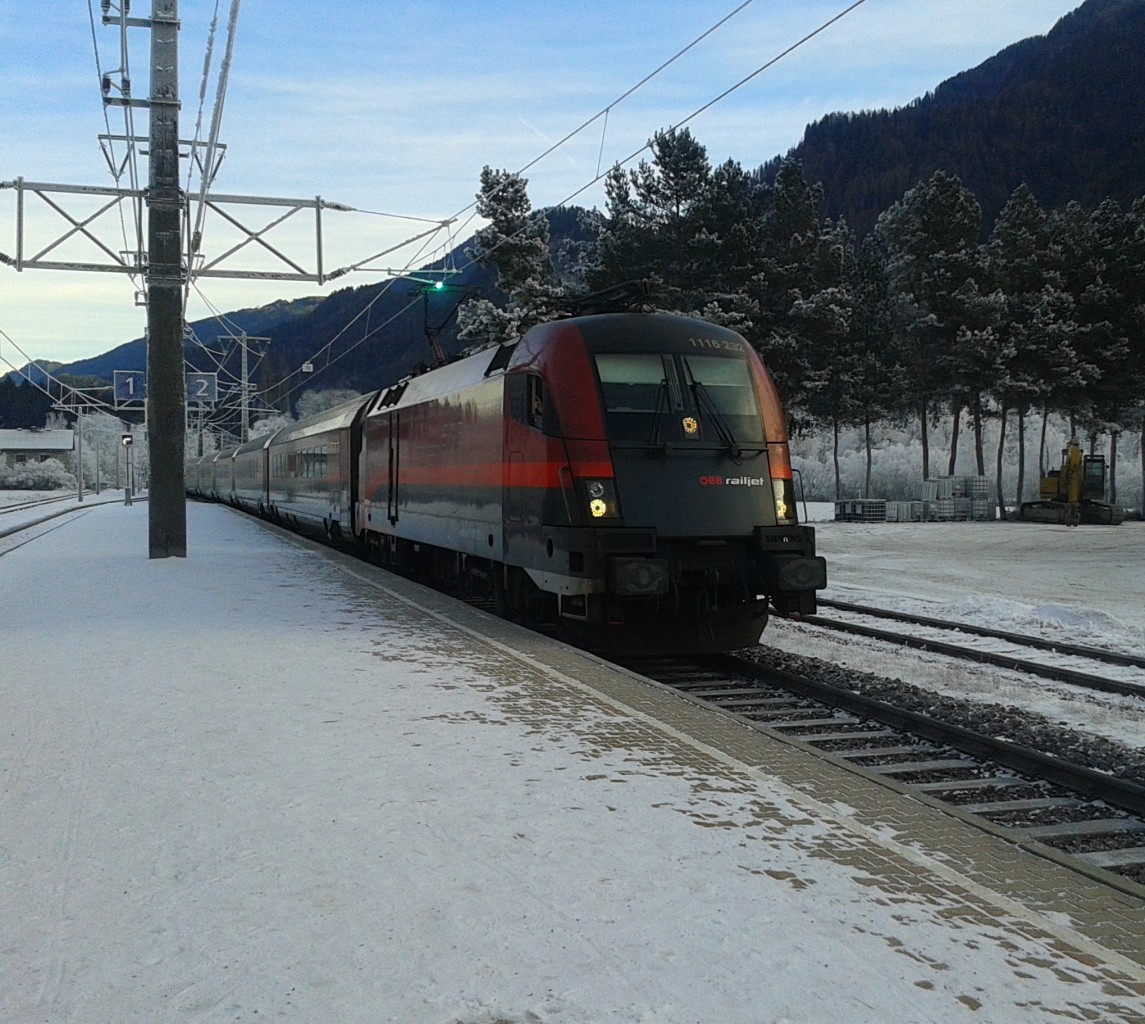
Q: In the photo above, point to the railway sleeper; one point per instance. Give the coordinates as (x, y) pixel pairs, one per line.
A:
(920, 767)
(823, 723)
(1040, 803)
(1113, 860)
(817, 738)
(948, 786)
(1073, 829)
(759, 696)
(910, 749)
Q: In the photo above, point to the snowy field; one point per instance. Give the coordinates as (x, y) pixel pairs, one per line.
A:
(379, 816)
(1084, 585)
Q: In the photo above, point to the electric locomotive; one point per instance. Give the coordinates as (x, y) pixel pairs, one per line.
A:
(625, 476)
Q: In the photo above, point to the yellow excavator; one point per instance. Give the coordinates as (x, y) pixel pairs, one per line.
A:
(1073, 494)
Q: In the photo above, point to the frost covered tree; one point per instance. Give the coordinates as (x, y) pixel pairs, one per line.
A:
(1118, 393)
(516, 244)
(981, 349)
(318, 400)
(930, 236)
(46, 475)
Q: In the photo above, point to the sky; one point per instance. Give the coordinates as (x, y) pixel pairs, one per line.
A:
(393, 108)
(392, 809)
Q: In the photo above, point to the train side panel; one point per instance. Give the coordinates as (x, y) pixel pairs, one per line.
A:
(432, 462)
(223, 477)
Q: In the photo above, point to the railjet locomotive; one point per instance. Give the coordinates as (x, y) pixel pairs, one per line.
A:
(625, 477)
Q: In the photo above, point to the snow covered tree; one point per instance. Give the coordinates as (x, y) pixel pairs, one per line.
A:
(318, 400)
(930, 236)
(1118, 394)
(516, 244)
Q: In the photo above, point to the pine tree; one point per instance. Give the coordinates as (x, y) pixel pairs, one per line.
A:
(516, 244)
(930, 236)
(656, 225)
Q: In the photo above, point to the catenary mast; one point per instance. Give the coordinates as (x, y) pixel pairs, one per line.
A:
(166, 391)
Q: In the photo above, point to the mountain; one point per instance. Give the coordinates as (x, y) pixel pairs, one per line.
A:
(1060, 112)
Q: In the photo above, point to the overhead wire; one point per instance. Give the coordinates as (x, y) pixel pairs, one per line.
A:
(216, 122)
(697, 112)
(582, 126)
(604, 112)
(204, 82)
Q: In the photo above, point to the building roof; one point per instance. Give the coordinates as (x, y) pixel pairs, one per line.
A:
(37, 441)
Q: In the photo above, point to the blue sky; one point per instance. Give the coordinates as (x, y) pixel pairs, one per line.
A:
(393, 107)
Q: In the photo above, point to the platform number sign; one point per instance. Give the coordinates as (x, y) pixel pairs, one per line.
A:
(202, 388)
(130, 388)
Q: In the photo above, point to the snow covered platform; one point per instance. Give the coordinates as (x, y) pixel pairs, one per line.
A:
(267, 782)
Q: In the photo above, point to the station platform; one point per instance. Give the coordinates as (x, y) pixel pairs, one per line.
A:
(272, 780)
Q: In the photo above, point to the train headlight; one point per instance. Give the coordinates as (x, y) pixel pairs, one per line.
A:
(784, 496)
(600, 499)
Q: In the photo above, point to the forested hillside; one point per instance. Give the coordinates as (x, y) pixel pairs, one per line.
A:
(1060, 113)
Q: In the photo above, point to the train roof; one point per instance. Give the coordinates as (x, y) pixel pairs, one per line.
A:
(338, 417)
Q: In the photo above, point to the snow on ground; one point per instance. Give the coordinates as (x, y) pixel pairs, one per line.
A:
(380, 817)
(1084, 585)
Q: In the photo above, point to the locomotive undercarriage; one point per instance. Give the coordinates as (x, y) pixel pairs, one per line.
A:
(642, 596)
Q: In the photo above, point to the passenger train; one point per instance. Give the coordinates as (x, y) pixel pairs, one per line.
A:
(624, 477)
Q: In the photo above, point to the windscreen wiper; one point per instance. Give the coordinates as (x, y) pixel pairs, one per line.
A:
(658, 412)
(706, 404)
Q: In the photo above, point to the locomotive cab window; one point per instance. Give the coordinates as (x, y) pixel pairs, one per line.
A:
(631, 383)
(639, 392)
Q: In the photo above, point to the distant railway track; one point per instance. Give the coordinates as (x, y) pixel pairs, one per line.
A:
(23, 506)
(23, 532)
(1018, 660)
(1035, 797)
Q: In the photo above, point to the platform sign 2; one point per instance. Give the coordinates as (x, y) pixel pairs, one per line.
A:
(202, 388)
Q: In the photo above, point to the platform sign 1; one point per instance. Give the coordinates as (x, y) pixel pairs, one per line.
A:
(202, 388)
(130, 386)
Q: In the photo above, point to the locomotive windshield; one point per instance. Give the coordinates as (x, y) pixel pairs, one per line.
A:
(653, 399)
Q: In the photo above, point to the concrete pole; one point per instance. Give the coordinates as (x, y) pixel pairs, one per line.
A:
(166, 390)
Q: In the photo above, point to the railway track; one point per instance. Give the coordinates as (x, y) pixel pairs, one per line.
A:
(17, 532)
(1088, 667)
(23, 506)
(1036, 798)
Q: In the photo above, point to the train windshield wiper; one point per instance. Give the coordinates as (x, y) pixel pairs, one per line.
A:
(706, 404)
(658, 412)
